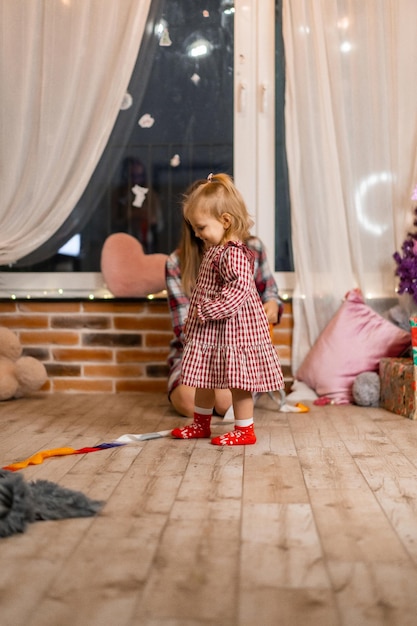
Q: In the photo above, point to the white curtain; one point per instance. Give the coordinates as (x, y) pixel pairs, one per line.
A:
(351, 124)
(64, 69)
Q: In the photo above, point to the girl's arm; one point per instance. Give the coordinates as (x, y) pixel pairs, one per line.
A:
(236, 272)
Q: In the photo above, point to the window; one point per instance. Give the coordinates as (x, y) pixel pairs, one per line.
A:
(201, 99)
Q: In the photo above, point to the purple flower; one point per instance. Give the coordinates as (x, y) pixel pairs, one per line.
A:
(407, 261)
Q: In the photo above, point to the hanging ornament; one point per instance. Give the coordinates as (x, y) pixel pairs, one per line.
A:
(146, 121)
(140, 194)
(175, 161)
(165, 38)
(195, 78)
(126, 102)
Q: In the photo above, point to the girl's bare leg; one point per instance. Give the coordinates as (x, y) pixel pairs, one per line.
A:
(242, 404)
(182, 399)
(204, 398)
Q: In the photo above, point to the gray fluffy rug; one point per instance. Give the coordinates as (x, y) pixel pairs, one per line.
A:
(22, 502)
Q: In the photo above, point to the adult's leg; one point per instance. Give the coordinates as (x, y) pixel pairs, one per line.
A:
(222, 401)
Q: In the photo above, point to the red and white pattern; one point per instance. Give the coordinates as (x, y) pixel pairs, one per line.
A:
(228, 344)
(179, 302)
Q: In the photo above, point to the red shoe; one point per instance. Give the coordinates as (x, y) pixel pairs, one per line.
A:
(193, 431)
(240, 436)
(199, 429)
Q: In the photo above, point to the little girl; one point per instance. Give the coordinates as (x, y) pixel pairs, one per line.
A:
(227, 339)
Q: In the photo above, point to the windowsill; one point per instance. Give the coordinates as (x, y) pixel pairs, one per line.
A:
(59, 286)
(85, 286)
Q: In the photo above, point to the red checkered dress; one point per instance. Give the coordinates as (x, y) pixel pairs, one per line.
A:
(228, 345)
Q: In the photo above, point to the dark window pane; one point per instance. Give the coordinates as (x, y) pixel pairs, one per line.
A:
(186, 89)
(182, 97)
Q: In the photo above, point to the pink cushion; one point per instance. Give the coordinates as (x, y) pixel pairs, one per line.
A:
(128, 271)
(354, 341)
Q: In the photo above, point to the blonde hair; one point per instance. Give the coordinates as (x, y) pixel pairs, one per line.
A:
(191, 251)
(216, 196)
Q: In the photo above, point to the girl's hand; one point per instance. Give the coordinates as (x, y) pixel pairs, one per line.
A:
(271, 310)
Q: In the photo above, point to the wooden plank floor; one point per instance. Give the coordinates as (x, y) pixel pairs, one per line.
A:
(316, 523)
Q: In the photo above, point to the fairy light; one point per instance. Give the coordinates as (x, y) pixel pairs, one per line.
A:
(374, 181)
(343, 23)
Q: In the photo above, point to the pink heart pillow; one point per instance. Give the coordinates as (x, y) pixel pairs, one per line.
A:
(128, 271)
(354, 341)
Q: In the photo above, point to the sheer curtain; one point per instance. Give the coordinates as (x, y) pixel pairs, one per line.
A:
(351, 133)
(64, 69)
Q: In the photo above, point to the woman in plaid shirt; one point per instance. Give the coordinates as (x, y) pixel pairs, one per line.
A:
(181, 272)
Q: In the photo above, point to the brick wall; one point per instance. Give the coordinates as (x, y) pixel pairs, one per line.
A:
(106, 346)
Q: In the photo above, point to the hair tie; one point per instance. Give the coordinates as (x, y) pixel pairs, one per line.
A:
(210, 177)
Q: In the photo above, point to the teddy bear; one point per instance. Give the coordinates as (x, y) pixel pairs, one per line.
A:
(19, 375)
